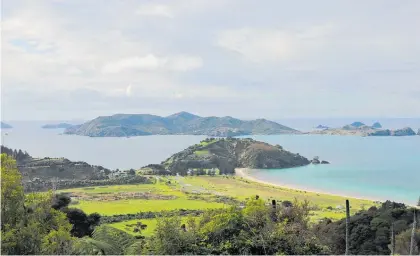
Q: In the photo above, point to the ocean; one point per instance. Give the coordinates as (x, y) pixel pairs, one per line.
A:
(371, 167)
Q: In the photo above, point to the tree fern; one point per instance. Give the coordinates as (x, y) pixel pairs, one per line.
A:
(134, 249)
(118, 239)
(89, 246)
(107, 240)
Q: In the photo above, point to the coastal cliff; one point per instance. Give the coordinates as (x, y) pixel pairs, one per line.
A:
(183, 123)
(228, 154)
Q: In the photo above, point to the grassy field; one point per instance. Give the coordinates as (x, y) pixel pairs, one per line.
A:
(135, 206)
(181, 189)
(242, 189)
(200, 192)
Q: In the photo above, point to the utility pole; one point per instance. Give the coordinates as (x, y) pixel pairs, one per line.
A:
(392, 235)
(392, 239)
(347, 225)
(413, 232)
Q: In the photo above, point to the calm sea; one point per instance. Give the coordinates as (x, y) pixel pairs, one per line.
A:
(373, 167)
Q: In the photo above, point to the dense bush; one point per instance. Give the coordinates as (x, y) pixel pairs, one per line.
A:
(370, 230)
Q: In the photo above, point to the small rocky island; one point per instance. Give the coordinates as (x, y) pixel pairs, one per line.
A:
(361, 129)
(183, 123)
(57, 126)
(5, 126)
(227, 154)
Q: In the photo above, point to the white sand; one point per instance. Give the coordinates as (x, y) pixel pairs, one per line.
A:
(243, 172)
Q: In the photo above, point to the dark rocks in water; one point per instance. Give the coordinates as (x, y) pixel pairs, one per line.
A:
(315, 160)
(377, 125)
(325, 162)
(5, 126)
(418, 132)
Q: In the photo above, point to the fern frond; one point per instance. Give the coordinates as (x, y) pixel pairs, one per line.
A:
(117, 239)
(134, 249)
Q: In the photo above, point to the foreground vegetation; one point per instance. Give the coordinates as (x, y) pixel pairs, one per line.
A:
(209, 215)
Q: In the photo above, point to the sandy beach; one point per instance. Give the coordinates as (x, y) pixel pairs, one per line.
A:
(243, 172)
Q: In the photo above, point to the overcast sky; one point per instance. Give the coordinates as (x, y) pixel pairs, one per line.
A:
(77, 59)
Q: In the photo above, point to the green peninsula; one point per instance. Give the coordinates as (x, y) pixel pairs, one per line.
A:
(224, 155)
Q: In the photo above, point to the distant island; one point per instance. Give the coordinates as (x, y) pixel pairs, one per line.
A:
(226, 154)
(361, 129)
(322, 127)
(5, 126)
(183, 123)
(57, 126)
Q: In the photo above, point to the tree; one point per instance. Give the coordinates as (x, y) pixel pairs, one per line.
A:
(170, 239)
(235, 231)
(82, 224)
(418, 202)
(403, 243)
(370, 230)
(29, 224)
(12, 197)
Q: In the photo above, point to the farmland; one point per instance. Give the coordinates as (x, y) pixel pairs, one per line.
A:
(197, 193)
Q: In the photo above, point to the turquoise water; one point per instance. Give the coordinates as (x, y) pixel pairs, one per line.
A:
(373, 167)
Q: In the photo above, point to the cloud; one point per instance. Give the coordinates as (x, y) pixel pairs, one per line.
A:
(219, 57)
(262, 44)
(128, 90)
(151, 62)
(155, 10)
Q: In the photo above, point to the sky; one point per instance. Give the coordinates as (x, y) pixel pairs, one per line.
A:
(78, 59)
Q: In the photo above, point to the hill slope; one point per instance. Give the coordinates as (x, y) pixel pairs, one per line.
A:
(182, 123)
(231, 153)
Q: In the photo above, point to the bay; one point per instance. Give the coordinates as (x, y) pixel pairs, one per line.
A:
(371, 167)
